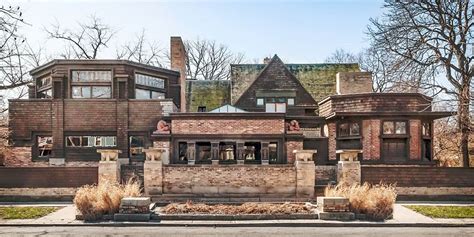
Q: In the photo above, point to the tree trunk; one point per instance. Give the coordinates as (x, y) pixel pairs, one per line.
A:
(464, 121)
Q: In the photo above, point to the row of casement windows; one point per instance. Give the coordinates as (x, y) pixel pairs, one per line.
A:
(275, 104)
(45, 143)
(349, 129)
(150, 87)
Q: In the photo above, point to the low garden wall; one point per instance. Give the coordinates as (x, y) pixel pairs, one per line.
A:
(278, 180)
(47, 177)
(423, 181)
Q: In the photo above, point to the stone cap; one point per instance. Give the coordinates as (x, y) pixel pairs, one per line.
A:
(304, 155)
(135, 201)
(108, 154)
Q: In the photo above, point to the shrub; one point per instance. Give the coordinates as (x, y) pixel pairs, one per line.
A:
(94, 201)
(375, 201)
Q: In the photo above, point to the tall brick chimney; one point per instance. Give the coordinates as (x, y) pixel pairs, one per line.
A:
(353, 82)
(178, 63)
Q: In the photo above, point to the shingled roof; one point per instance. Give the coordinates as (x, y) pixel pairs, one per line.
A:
(318, 79)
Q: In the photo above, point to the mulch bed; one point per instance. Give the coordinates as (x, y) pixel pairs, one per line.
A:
(244, 209)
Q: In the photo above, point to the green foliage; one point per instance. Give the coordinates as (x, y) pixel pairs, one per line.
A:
(25, 212)
(211, 94)
(444, 211)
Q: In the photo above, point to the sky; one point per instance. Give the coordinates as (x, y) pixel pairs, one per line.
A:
(298, 31)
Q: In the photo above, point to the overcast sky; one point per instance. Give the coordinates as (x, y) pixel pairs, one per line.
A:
(298, 31)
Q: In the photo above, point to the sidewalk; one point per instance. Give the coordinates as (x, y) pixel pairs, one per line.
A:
(402, 217)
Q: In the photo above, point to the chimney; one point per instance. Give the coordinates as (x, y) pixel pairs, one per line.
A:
(266, 60)
(353, 82)
(178, 63)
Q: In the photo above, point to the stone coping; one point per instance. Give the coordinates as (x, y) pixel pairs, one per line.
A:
(221, 217)
(231, 165)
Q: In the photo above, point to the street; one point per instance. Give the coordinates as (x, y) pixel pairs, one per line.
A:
(234, 231)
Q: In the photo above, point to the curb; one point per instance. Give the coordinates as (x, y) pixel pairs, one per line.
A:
(288, 224)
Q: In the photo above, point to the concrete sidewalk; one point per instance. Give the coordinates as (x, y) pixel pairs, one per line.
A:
(402, 217)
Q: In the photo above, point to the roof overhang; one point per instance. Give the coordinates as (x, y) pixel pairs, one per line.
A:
(424, 114)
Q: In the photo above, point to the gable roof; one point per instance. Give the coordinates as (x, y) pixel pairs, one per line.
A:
(275, 76)
(319, 79)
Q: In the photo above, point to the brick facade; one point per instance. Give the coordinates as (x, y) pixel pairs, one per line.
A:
(332, 140)
(291, 146)
(226, 180)
(353, 82)
(371, 139)
(228, 126)
(415, 139)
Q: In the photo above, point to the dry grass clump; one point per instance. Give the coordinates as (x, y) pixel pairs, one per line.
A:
(246, 208)
(376, 201)
(93, 201)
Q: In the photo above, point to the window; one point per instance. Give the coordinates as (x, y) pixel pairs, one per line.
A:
(91, 141)
(273, 152)
(45, 94)
(252, 151)
(226, 151)
(148, 94)
(91, 76)
(145, 80)
(394, 127)
(349, 129)
(260, 101)
(291, 101)
(183, 152)
(45, 146)
(275, 107)
(44, 82)
(202, 109)
(203, 151)
(137, 144)
(426, 129)
(87, 92)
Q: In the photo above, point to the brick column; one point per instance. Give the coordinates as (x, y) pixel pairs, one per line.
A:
(58, 156)
(240, 153)
(109, 171)
(215, 153)
(122, 130)
(415, 139)
(265, 152)
(332, 141)
(349, 172)
(153, 171)
(191, 153)
(305, 173)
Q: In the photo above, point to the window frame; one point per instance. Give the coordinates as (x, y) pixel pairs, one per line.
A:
(394, 134)
(349, 135)
(91, 139)
(35, 148)
(91, 84)
(151, 89)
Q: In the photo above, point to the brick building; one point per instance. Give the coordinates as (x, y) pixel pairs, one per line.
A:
(260, 117)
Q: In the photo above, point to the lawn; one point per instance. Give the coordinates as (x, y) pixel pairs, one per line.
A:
(444, 211)
(25, 212)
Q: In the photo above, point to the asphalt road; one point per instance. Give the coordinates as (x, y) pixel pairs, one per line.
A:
(234, 231)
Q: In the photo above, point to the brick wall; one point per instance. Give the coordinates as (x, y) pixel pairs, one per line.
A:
(353, 82)
(415, 142)
(228, 126)
(371, 139)
(21, 157)
(419, 176)
(290, 147)
(90, 115)
(332, 140)
(29, 115)
(144, 114)
(325, 174)
(47, 177)
(178, 62)
(232, 179)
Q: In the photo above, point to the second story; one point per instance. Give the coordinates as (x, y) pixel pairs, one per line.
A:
(104, 79)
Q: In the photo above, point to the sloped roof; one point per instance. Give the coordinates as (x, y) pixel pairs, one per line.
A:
(211, 94)
(319, 79)
(228, 109)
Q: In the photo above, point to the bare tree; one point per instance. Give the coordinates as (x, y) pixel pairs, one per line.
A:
(17, 57)
(208, 60)
(142, 51)
(342, 56)
(436, 35)
(84, 42)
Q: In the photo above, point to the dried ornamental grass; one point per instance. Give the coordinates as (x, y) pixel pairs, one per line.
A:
(246, 208)
(376, 201)
(94, 201)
